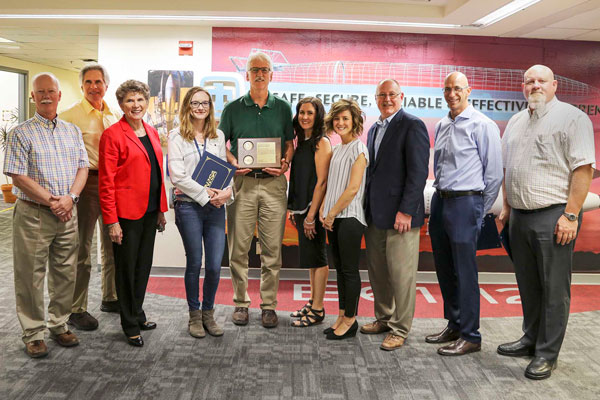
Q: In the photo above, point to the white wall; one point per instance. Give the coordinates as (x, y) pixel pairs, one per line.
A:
(128, 52)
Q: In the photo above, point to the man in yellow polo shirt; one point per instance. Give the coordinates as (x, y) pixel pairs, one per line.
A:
(92, 115)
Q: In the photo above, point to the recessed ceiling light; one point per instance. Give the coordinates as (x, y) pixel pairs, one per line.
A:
(505, 11)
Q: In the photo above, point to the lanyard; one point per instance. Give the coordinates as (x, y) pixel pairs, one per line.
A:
(198, 147)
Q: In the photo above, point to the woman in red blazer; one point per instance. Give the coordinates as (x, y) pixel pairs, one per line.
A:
(133, 202)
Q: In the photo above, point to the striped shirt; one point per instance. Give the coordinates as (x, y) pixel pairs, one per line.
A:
(342, 160)
(48, 151)
(540, 150)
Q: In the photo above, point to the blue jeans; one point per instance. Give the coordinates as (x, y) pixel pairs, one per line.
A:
(197, 224)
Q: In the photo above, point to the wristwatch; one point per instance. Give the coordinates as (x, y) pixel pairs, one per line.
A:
(570, 216)
(74, 197)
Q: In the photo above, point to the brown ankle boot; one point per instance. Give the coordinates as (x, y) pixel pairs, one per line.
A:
(210, 324)
(195, 327)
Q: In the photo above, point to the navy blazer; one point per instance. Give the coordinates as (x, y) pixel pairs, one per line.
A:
(397, 177)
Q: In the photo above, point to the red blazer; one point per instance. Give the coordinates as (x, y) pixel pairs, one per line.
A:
(124, 173)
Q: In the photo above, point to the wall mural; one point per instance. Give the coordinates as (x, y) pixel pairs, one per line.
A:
(336, 64)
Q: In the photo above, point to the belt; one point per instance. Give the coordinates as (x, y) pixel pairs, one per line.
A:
(537, 210)
(258, 174)
(93, 172)
(183, 197)
(34, 204)
(449, 194)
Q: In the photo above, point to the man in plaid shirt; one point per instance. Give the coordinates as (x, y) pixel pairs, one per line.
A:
(48, 163)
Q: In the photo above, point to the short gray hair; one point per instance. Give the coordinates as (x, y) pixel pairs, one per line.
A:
(49, 74)
(94, 67)
(259, 55)
(132, 86)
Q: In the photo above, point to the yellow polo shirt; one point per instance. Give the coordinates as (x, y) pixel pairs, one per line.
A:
(92, 123)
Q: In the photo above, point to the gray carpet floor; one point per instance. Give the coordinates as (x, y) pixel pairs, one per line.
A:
(282, 363)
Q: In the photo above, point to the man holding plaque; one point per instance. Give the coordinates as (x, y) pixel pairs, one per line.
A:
(259, 128)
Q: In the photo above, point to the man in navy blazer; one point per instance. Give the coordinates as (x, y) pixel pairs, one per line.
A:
(398, 146)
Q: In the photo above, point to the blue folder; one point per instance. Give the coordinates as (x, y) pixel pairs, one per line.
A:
(213, 172)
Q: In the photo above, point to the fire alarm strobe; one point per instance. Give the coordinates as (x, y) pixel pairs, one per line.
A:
(186, 47)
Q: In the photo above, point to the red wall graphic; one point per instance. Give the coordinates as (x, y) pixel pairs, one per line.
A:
(334, 64)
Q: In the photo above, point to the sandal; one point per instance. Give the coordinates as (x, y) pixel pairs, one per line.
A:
(303, 311)
(313, 317)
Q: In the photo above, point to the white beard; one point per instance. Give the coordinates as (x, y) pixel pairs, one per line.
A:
(537, 101)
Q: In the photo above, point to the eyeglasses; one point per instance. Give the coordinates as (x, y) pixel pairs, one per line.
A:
(382, 96)
(457, 89)
(196, 104)
(255, 70)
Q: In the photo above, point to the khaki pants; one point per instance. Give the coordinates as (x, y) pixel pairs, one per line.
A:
(88, 210)
(392, 260)
(40, 239)
(263, 200)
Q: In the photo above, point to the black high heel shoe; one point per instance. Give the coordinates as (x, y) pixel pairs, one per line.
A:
(349, 333)
(137, 342)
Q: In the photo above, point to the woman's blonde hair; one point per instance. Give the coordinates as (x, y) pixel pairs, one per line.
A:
(355, 111)
(186, 128)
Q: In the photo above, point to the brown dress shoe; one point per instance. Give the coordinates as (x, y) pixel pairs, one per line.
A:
(83, 321)
(36, 349)
(459, 348)
(240, 316)
(374, 328)
(66, 339)
(447, 335)
(392, 342)
(269, 318)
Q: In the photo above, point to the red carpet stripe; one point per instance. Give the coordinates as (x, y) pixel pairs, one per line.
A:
(497, 300)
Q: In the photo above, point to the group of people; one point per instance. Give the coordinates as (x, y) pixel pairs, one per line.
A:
(336, 194)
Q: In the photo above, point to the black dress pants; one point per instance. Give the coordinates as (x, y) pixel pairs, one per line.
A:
(543, 271)
(133, 261)
(345, 242)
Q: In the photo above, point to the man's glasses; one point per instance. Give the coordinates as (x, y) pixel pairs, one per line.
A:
(196, 104)
(255, 70)
(457, 89)
(382, 96)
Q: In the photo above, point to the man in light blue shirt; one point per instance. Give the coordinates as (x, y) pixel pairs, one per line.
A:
(468, 174)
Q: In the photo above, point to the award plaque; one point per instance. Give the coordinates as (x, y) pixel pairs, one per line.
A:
(259, 152)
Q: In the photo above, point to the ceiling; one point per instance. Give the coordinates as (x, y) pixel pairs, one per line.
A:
(65, 42)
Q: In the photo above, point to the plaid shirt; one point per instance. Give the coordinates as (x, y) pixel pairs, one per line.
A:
(48, 151)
